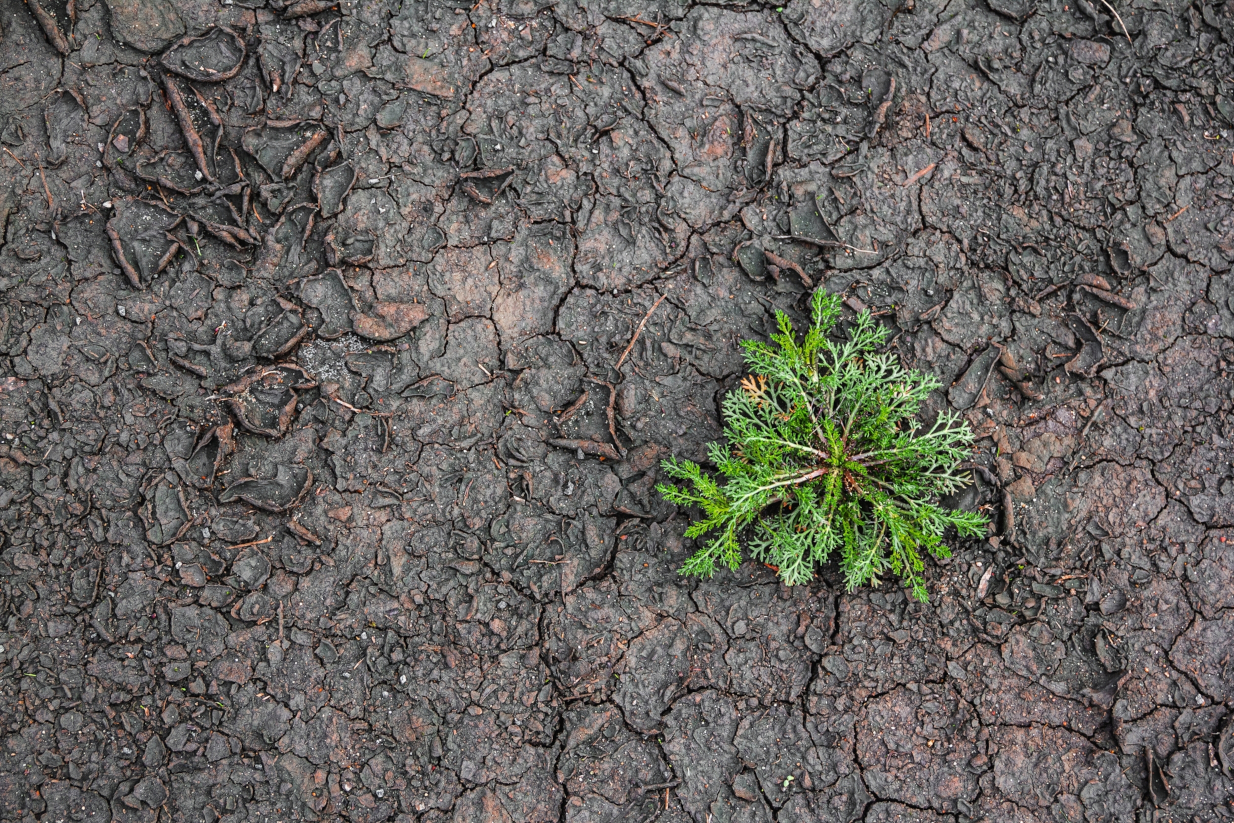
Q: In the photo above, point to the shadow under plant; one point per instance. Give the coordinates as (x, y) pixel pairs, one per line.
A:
(342, 343)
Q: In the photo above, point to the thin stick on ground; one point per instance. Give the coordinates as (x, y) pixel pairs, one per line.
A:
(252, 543)
(46, 189)
(823, 244)
(639, 331)
(610, 414)
(1120, 21)
(1092, 418)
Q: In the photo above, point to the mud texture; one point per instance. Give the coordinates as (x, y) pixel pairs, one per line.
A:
(340, 342)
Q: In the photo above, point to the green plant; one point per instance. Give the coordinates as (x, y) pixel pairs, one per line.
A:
(824, 454)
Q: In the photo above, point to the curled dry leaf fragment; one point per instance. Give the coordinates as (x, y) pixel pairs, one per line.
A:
(212, 57)
(264, 400)
(275, 494)
(388, 321)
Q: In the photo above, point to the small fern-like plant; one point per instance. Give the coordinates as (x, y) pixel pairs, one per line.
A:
(824, 455)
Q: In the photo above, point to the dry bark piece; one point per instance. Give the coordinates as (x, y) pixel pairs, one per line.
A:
(175, 98)
(212, 57)
(592, 447)
(486, 184)
(284, 491)
(1009, 366)
(784, 263)
(51, 28)
(301, 532)
(1086, 279)
(1107, 296)
(233, 236)
(388, 321)
(304, 8)
(298, 157)
(264, 401)
(188, 365)
(1011, 370)
(983, 587)
(282, 148)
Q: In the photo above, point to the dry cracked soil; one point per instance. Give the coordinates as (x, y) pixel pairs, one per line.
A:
(340, 343)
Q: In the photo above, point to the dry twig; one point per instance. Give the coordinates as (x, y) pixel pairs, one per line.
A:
(639, 331)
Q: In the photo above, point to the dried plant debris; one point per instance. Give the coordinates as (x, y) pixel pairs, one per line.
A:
(197, 457)
(192, 135)
(56, 23)
(141, 239)
(126, 134)
(486, 184)
(277, 327)
(383, 321)
(285, 490)
(213, 57)
(282, 150)
(264, 401)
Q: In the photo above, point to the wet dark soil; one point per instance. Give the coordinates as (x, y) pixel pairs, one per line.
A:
(340, 343)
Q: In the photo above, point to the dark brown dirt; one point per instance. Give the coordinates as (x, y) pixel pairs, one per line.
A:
(339, 347)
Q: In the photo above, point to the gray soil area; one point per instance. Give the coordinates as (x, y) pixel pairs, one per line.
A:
(340, 343)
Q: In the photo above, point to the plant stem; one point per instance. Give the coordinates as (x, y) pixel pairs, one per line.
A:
(795, 480)
(798, 446)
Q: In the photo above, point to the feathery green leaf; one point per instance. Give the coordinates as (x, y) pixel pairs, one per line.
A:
(824, 455)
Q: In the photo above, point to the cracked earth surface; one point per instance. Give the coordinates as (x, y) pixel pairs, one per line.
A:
(341, 341)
